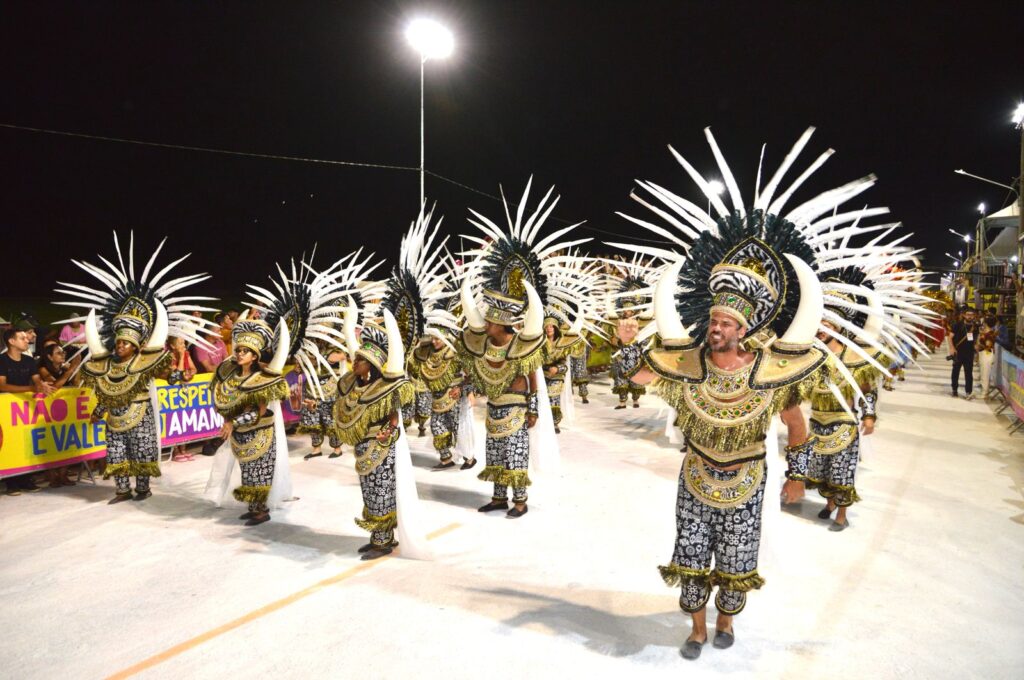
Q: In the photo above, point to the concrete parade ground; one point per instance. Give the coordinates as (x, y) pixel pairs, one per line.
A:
(926, 583)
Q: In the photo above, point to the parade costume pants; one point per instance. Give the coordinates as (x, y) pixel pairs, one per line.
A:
(731, 535)
(445, 427)
(418, 410)
(555, 388)
(832, 474)
(257, 474)
(580, 375)
(380, 505)
(985, 359)
(508, 451)
(133, 452)
(317, 422)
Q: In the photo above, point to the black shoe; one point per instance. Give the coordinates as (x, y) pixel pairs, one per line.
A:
(636, 404)
(691, 649)
(825, 513)
(376, 552)
(468, 464)
(31, 487)
(142, 496)
(312, 455)
(585, 400)
(558, 430)
(620, 406)
(515, 512)
(336, 454)
(492, 506)
(247, 515)
(120, 498)
(444, 466)
(365, 548)
(258, 518)
(423, 431)
(723, 639)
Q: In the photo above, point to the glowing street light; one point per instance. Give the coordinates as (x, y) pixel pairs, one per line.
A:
(965, 237)
(1018, 115)
(432, 41)
(981, 208)
(715, 187)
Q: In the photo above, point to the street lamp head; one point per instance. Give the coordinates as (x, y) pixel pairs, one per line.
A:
(981, 208)
(967, 238)
(716, 187)
(1018, 115)
(430, 39)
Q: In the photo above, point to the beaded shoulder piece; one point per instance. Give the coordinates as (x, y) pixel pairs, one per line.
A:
(864, 374)
(118, 384)
(519, 358)
(438, 369)
(233, 393)
(360, 407)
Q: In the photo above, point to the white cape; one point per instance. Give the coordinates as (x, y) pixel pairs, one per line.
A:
(545, 457)
(568, 407)
(224, 474)
(412, 535)
(465, 435)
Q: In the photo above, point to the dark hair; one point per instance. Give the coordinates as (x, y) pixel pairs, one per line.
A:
(8, 334)
(46, 361)
(375, 374)
(219, 317)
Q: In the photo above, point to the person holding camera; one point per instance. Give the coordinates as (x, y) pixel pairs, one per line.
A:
(961, 351)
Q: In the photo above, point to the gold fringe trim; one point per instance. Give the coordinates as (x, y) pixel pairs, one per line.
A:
(726, 439)
(372, 414)
(556, 414)
(249, 398)
(844, 496)
(517, 479)
(132, 468)
(443, 441)
(311, 429)
(523, 366)
(251, 494)
(141, 385)
(677, 575)
(444, 381)
(621, 390)
(741, 583)
(371, 522)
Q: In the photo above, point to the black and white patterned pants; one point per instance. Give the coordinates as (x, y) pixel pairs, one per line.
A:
(418, 410)
(317, 423)
(258, 474)
(508, 458)
(380, 506)
(445, 428)
(731, 535)
(580, 375)
(133, 453)
(833, 474)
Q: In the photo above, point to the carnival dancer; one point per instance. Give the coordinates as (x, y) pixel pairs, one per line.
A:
(559, 345)
(302, 307)
(749, 294)
(626, 285)
(578, 362)
(129, 321)
(518, 274)
(367, 417)
(417, 293)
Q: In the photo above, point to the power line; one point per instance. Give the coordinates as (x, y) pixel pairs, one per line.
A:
(301, 159)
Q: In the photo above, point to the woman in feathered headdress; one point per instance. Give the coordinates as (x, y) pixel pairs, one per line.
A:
(126, 331)
(298, 318)
(419, 296)
(519, 275)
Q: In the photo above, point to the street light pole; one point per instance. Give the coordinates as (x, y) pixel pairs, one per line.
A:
(423, 62)
(432, 41)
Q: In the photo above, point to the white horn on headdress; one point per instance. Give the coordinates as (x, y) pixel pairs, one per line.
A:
(876, 318)
(670, 326)
(469, 309)
(92, 337)
(158, 338)
(577, 325)
(244, 316)
(284, 343)
(533, 324)
(804, 327)
(351, 315)
(395, 365)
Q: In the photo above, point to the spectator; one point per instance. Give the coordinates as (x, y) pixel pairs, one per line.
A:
(233, 315)
(210, 359)
(181, 364)
(18, 373)
(56, 370)
(73, 333)
(223, 319)
(1002, 335)
(961, 351)
(985, 348)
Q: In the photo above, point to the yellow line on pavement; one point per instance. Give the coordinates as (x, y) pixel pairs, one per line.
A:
(260, 613)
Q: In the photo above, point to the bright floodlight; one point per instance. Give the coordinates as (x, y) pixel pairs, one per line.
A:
(716, 187)
(430, 39)
(981, 208)
(1018, 115)
(967, 238)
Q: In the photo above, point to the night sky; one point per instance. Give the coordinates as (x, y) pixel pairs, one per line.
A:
(584, 95)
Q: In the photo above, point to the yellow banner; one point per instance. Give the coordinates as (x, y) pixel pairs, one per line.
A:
(47, 432)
